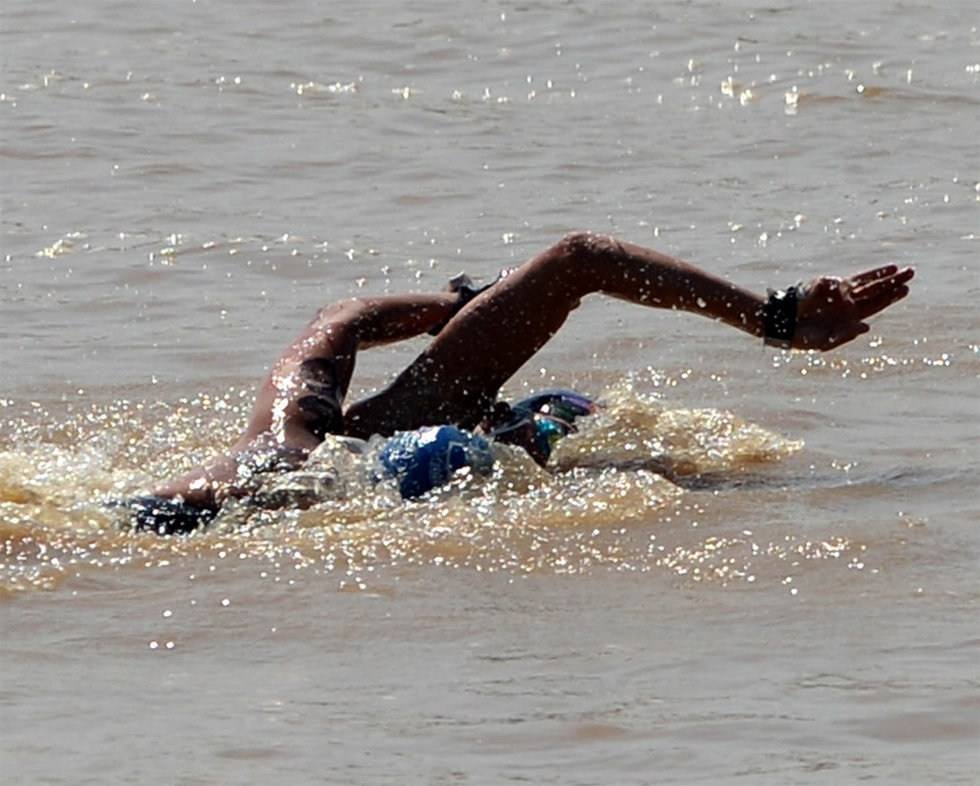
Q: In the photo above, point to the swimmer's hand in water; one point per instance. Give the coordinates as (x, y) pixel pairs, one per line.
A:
(832, 311)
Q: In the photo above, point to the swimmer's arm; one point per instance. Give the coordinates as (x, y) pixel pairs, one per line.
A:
(386, 320)
(831, 311)
(368, 322)
(205, 486)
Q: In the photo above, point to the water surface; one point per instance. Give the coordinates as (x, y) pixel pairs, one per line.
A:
(754, 567)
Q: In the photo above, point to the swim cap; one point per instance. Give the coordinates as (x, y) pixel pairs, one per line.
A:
(428, 457)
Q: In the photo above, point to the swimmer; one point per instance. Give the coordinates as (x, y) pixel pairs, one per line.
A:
(482, 337)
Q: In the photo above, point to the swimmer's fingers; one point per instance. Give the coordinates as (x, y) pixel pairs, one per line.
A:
(882, 277)
(882, 300)
(833, 311)
(874, 274)
(872, 297)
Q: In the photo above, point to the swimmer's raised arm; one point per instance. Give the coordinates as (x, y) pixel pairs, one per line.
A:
(456, 379)
(822, 314)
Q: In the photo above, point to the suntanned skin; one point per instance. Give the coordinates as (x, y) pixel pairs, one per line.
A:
(457, 378)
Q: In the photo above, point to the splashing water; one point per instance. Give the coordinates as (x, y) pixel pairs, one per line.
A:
(606, 487)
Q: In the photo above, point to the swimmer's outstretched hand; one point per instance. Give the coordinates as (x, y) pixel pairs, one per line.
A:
(831, 311)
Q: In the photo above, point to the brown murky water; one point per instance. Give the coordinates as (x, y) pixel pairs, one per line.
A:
(752, 566)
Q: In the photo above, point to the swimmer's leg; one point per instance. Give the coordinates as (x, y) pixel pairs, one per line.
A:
(457, 378)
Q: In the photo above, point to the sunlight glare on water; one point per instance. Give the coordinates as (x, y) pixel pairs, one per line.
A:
(753, 566)
(601, 506)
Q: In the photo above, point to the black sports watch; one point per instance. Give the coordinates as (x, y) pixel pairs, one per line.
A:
(779, 317)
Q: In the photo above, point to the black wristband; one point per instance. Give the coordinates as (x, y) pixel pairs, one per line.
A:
(779, 317)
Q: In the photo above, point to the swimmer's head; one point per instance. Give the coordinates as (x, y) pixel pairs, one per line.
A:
(536, 423)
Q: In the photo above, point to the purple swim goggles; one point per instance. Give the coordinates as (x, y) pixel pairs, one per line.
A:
(536, 423)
